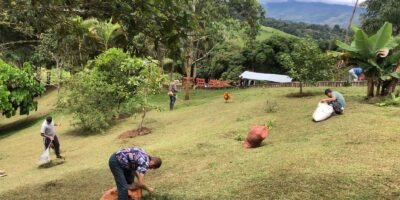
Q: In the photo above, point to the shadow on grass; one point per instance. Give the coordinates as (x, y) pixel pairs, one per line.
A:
(51, 164)
(302, 95)
(9, 129)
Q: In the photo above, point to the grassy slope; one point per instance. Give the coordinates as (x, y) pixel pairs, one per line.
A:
(267, 32)
(351, 156)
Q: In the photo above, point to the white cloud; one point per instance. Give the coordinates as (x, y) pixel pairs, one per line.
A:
(342, 2)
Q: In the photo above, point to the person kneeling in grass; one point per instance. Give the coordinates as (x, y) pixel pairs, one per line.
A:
(336, 100)
(128, 163)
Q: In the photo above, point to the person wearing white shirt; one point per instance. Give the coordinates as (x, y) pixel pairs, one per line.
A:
(48, 133)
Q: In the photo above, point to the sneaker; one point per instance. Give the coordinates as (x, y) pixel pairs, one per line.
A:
(60, 157)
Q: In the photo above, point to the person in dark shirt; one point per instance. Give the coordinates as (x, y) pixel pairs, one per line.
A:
(128, 163)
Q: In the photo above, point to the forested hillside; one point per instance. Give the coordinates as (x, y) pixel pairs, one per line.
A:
(309, 12)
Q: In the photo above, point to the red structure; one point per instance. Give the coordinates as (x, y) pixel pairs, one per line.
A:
(200, 83)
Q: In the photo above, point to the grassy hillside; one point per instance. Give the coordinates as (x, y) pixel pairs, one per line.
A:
(354, 156)
(264, 33)
(267, 32)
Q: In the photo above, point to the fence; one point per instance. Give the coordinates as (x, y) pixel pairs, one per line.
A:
(318, 84)
(201, 82)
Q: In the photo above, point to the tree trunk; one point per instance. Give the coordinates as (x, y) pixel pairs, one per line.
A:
(172, 71)
(189, 58)
(188, 67)
(351, 21)
(142, 120)
(301, 87)
(370, 89)
(378, 88)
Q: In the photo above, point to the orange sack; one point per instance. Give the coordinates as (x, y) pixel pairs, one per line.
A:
(255, 136)
(112, 194)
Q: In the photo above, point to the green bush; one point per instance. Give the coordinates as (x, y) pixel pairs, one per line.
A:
(116, 84)
(91, 100)
(18, 87)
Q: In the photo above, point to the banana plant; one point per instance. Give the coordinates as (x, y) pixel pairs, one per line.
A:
(366, 51)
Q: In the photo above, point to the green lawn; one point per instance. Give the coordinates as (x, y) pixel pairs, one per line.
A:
(353, 156)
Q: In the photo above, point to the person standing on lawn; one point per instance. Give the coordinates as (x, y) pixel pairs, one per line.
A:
(128, 163)
(47, 131)
(336, 100)
(172, 94)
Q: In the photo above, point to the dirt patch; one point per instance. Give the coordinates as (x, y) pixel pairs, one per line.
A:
(134, 133)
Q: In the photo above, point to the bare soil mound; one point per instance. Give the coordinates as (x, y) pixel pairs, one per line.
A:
(134, 133)
(112, 194)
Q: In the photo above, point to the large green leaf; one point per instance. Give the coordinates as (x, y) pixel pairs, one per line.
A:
(362, 43)
(382, 38)
(355, 28)
(395, 75)
(394, 58)
(346, 47)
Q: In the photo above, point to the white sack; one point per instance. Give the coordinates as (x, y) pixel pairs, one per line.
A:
(323, 112)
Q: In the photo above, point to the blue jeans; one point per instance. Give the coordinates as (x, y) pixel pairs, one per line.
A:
(123, 177)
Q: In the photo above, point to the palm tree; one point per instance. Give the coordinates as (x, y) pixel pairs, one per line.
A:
(106, 32)
(102, 31)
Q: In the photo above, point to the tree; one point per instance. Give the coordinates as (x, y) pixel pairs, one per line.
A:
(116, 84)
(208, 19)
(148, 82)
(381, 11)
(18, 88)
(105, 31)
(306, 63)
(363, 51)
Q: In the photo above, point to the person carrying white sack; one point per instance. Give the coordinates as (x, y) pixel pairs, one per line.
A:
(336, 100)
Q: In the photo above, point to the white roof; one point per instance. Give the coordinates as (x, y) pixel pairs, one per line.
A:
(266, 77)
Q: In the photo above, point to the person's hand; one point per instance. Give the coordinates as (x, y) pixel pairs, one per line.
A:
(151, 190)
(322, 101)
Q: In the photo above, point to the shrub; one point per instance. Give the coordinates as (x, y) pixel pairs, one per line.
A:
(271, 106)
(116, 84)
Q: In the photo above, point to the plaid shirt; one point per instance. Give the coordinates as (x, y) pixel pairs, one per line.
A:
(133, 158)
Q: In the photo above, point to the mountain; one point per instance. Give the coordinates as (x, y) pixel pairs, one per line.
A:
(310, 12)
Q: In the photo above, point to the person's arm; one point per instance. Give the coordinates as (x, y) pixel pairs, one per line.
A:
(329, 99)
(42, 130)
(140, 183)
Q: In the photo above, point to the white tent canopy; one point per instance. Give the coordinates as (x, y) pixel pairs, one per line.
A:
(266, 77)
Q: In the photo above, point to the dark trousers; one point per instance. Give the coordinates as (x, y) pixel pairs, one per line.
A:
(337, 107)
(122, 177)
(55, 142)
(172, 100)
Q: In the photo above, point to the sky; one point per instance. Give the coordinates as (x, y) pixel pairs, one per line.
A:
(342, 2)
